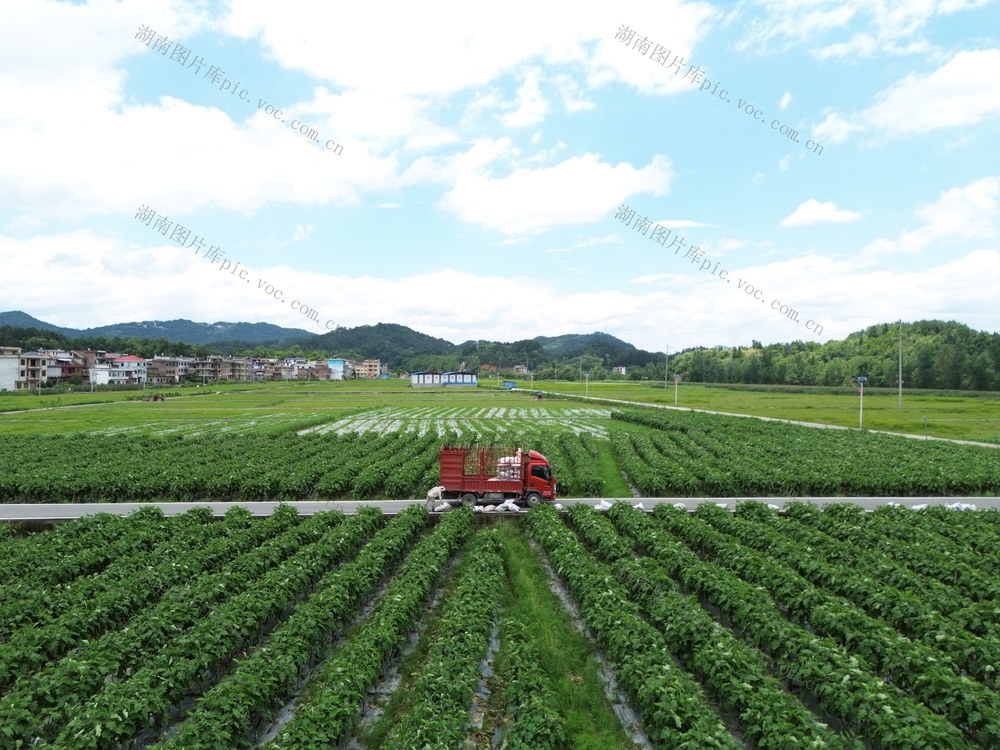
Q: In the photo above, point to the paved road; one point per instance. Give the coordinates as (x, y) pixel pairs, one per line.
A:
(68, 511)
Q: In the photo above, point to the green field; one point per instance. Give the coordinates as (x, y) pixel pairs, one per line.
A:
(838, 629)
(262, 406)
(312, 440)
(825, 629)
(953, 416)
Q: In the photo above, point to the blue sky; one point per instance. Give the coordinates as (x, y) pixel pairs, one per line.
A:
(469, 162)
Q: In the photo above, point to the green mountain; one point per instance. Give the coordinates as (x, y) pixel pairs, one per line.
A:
(18, 319)
(613, 351)
(388, 342)
(180, 330)
(936, 354)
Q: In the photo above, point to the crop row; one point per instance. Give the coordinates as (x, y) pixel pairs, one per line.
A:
(979, 617)
(149, 695)
(84, 616)
(725, 456)
(42, 702)
(79, 548)
(439, 698)
(227, 715)
(736, 674)
(675, 712)
(842, 684)
(910, 614)
(335, 694)
(54, 468)
(140, 547)
(531, 719)
(226, 467)
(893, 532)
(922, 670)
(59, 576)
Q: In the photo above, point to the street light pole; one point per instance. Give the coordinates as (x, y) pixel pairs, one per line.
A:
(677, 379)
(861, 404)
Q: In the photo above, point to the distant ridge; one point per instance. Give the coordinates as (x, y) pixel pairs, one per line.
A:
(180, 330)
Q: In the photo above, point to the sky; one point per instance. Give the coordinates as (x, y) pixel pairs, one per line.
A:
(676, 174)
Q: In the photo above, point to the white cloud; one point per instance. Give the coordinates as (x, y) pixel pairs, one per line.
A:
(571, 94)
(674, 25)
(890, 28)
(649, 278)
(814, 212)
(606, 239)
(530, 106)
(963, 91)
(695, 307)
(681, 223)
(786, 99)
(834, 129)
(575, 191)
(963, 213)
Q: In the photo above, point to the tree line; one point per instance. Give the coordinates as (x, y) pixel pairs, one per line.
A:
(935, 354)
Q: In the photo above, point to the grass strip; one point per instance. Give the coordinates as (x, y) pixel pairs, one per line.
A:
(564, 654)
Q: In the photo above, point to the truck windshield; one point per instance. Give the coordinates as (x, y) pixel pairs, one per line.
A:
(542, 472)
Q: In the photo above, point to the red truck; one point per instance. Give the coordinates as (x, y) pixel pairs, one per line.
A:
(495, 474)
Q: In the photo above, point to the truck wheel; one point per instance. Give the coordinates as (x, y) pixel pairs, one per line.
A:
(532, 499)
(469, 498)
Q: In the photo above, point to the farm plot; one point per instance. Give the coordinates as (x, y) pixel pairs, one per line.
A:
(396, 465)
(691, 454)
(751, 629)
(469, 421)
(265, 631)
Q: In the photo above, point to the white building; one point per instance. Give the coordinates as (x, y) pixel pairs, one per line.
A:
(10, 357)
(425, 379)
(127, 370)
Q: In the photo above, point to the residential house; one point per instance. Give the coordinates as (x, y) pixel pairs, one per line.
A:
(123, 370)
(371, 368)
(32, 370)
(10, 359)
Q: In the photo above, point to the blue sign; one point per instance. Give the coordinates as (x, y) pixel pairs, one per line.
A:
(510, 384)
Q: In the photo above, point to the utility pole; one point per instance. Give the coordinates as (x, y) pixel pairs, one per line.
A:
(861, 379)
(666, 367)
(900, 363)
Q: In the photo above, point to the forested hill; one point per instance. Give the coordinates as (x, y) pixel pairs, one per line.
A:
(936, 354)
(180, 330)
